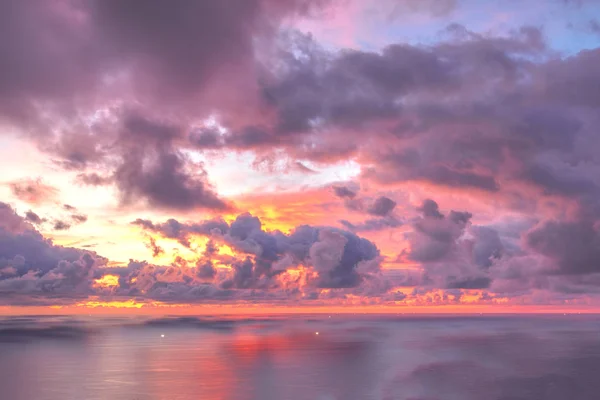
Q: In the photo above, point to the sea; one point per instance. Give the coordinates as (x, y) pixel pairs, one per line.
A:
(301, 357)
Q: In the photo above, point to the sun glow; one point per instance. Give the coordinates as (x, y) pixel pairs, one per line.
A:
(107, 281)
(94, 302)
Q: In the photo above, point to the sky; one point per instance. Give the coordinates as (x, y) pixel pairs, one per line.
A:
(285, 155)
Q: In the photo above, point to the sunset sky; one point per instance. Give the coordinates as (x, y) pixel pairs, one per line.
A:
(284, 155)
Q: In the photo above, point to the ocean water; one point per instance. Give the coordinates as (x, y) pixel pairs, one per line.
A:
(337, 357)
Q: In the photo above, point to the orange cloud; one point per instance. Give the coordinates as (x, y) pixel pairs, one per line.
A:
(34, 191)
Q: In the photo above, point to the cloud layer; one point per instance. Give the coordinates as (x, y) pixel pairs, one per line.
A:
(475, 171)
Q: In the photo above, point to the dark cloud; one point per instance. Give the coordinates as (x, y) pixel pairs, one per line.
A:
(359, 90)
(566, 183)
(165, 183)
(155, 248)
(430, 208)
(164, 50)
(33, 217)
(382, 206)
(487, 246)
(188, 42)
(173, 229)
(573, 247)
(344, 192)
(205, 270)
(373, 224)
(411, 165)
(93, 179)
(156, 172)
(61, 226)
(435, 237)
(79, 218)
(206, 138)
(481, 282)
(454, 253)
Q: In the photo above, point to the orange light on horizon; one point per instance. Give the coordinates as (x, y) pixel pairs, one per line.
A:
(110, 304)
(131, 307)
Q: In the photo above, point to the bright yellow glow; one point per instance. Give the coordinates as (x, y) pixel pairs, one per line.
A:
(226, 250)
(110, 304)
(107, 281)
(295, 273)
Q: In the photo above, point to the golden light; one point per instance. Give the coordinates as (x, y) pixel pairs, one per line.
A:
(110, 304)
(226, 250)
(107, 281)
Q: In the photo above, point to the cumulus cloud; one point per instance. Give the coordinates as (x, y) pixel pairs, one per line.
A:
(32, 267)
(335, 255)
(40, 268)
(454, 253)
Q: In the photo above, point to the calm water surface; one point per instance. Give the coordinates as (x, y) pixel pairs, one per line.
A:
(399, 357)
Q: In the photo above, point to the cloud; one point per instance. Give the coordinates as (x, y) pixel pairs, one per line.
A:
(454, 253)
(79, 218)
(173, 229)
(61, 226)
(131, 94)
(373, 224)
(33, 217)
(573, 247)
(155, 248)
(93, 179)
(160, 50)
(34, 191)
(39, 268)
(335, 255)
(158, 173)
(382, 206)
(344, 192)
(191, 56)
(430, 208)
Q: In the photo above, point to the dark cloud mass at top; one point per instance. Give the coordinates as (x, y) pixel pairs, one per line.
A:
(118, 94)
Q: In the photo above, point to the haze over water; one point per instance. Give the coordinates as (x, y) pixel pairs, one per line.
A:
(351, 357)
